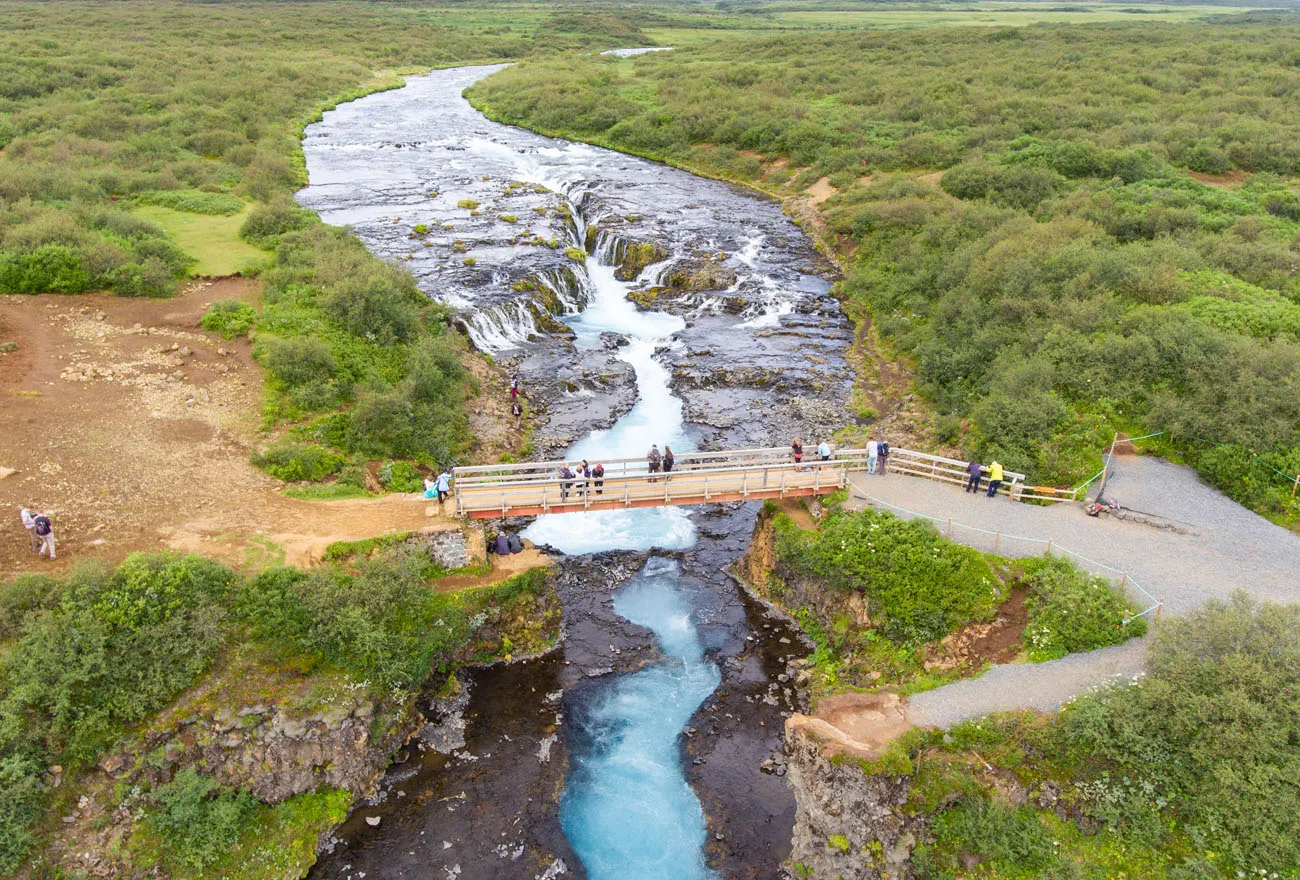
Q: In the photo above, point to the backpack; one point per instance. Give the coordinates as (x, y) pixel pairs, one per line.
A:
(42, 525)
(883, 449)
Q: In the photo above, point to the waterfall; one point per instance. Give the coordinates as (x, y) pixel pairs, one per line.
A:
(571, 287)
(498, 328)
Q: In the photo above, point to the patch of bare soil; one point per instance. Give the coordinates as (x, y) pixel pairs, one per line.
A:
(821, 191)
(798, 511)
(857, 725)
(502, 567)
(1227, 180)
(134, 427)
(979, 644)
(493, 428)
(932, 177)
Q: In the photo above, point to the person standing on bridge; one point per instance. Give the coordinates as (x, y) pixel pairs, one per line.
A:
(974, 468)
(873, 455)
(584, 476)
(669, 458)
(566, 480)
(824, 451)
(598, 478)
(796, 449)
(995, 478)
(654, 459)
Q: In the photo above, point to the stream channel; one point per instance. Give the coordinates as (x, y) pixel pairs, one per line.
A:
(647, 745)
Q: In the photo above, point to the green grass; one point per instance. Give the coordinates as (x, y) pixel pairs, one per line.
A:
(212, 239)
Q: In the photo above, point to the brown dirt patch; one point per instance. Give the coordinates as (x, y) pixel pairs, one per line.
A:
(821, 191)
(502, 568)
(979, 644)
(797, 511)
(857, 725)
(931, 177)
(134, 427)
(1228, 180)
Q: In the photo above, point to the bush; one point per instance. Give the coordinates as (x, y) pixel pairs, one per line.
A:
(192, 201)
(197, 823)
(293, 462)
(1071, 611)
(22, 801)
(21, 597)
(401, 476)
(229, 317)
(918, 586)
(299, 360)
(266, 223)
(379, 306)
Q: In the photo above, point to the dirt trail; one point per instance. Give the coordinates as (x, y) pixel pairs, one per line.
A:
(135, 427)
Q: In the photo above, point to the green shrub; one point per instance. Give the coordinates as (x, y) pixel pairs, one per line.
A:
(22, 801)
(293, 461)
(401, 476)
(379, 306)
(1005, 837)
(20, 597)
(192, 201)
(918, 586)
(229, 317)
(196, 822)
(266, 223)
(299, 360)
(1071, 611)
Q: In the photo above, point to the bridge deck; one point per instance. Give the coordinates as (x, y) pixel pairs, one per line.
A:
(490, 491)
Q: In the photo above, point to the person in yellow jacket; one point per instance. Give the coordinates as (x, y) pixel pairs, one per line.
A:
(995, 478)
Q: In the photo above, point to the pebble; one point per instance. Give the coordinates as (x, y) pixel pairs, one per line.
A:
(373, 821)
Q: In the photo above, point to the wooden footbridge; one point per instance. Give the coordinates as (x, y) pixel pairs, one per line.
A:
(490, 491)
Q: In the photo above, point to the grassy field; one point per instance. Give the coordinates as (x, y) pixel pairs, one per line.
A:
(213, 241)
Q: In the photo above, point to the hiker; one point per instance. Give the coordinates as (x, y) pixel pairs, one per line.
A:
(566, 480)
(796, 449)
(655, 459)
(882, 452)
(873, 455)
(824, 450)
(598, 477)
(514, 389)
(518, 412)
(974, 468)
(28, 516)
(443, 485)
(995, 478)
(669, 458)
(44, 530)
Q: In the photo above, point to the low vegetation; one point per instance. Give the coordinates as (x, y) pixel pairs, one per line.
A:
(95, 653)
(883, 598)
(1068, 230)
(1187, 773)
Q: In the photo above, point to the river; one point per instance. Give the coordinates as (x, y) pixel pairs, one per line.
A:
(635, 751)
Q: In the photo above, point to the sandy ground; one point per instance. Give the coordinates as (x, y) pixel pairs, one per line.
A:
(134, 427)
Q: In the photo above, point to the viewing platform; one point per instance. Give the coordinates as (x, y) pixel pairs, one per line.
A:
(535, 488)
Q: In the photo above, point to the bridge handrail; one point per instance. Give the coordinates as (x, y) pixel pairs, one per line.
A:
(682, 458)
(549, 479)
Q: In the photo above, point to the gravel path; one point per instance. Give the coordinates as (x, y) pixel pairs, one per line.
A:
(1221, 547)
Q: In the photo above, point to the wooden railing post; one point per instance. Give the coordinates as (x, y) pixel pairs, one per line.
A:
(997, 539)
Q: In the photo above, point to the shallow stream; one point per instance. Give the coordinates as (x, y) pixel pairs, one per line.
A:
(635, 751)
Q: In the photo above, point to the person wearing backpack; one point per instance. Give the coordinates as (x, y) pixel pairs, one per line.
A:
(882, 454)
(44, 530)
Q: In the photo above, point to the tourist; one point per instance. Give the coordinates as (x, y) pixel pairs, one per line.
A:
(882, 453)
(44, 530)
(584, 475)
(566, 480)
(517, 411)
(28, 516)
(598, 477)
(824, 450)
(443, 485)
(974, 468)
(873, 455)
(669, 458)
(514, 389)
(654, 458)
(796, 449)
(516, 544)
(995, 478)
(502, 545)
(430, 487)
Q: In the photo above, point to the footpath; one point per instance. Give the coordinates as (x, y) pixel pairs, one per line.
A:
(1218, 547)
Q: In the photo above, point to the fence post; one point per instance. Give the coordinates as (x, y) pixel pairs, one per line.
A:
(997, 539)
(1295, 485)
(1049, 547)
(948, 532)
(1123, 579)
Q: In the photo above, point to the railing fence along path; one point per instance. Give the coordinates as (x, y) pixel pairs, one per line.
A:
(487, 491)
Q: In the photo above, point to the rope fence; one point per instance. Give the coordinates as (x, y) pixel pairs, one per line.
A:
(997, 541)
